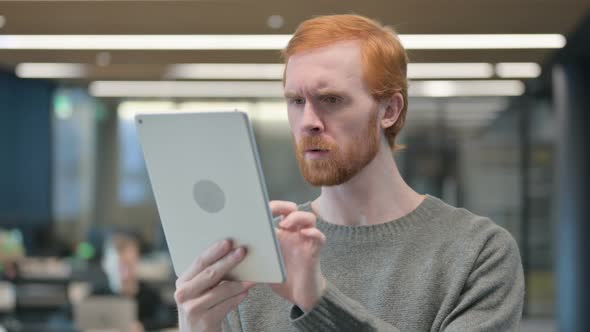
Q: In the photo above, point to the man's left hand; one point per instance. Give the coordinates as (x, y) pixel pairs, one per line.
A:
(301, 243)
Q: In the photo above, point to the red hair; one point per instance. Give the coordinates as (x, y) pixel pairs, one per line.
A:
(384, 59)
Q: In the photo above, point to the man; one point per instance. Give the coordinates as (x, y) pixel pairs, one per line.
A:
(369, 254)
(120, 262)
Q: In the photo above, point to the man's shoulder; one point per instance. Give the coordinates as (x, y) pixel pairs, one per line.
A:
(468, 227)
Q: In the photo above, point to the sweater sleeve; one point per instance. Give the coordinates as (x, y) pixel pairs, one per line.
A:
(491, 299)
(337, 312)
(493, 295)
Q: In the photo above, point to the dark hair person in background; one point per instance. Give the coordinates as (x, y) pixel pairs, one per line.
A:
(120, 261)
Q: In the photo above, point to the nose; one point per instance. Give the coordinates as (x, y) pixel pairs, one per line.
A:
(312, 123)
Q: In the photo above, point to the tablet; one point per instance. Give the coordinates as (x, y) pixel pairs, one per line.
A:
(208, 184)
(115, 313)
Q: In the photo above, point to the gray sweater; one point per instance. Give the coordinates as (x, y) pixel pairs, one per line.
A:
(439, 268)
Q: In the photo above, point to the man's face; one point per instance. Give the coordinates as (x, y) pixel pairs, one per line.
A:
(120, 265)
(332, 114)
(128, 261)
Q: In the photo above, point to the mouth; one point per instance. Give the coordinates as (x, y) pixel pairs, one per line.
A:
(316, 150)
(314, 154)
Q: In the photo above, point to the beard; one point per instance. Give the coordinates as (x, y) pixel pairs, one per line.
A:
(341, 164)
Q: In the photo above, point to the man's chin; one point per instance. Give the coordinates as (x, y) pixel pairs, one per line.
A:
(324, 179)
(322, 182)
(325, 172)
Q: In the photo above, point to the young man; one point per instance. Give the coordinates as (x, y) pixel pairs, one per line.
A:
(120, 262)
(369, 254)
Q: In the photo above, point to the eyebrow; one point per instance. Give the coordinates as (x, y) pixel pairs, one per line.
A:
(318, 92)
(290, 94)
(328, 91)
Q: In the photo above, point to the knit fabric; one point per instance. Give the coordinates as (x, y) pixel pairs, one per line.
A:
(438, 268)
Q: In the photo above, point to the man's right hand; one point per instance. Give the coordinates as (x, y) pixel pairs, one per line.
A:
(202, 295)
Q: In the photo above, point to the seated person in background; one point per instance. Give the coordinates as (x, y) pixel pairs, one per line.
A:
(11, 251)
(120, 260)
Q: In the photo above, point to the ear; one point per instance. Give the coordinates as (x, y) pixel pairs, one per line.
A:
(392, 109)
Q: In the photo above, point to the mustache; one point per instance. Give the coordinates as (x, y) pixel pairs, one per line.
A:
(314, 142)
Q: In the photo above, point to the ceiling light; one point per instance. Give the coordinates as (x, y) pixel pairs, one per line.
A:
(275, 71)
(128, 109)
(490, 41)
(489, 104)
(211, 89)
(208, 106)
(450, 70)
(466, 88)
(472, 114)
(144, 42)
(518, 69)
(274, 89)
(50, 70)
(266, 71)
(264, 42)
(275, 112)
(267, 111)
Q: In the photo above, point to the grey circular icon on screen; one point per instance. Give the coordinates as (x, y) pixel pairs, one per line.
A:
(209, 196)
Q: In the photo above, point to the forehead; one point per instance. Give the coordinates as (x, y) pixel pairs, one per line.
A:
(337, 66)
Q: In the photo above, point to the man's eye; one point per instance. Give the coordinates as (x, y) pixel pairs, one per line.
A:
(298, 101)
(331, 99)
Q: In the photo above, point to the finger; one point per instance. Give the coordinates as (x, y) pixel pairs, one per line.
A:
(246, 284)
(208, 277)
(208, 257)
(194, 311)
(298, 220)
(282, 208)
(222, 292)
(314, 234)
(211, 275)
(218, 312)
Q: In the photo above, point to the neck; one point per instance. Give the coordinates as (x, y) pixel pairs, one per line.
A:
(377, 194)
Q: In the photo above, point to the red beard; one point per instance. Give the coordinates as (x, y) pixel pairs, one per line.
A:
(340, 165)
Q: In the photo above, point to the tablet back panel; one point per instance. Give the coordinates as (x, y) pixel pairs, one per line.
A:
(108, 313)
(208, 185)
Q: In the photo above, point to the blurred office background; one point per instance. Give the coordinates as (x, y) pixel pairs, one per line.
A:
(495, 125)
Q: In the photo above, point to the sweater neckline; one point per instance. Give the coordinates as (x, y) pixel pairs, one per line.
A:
(429, 208)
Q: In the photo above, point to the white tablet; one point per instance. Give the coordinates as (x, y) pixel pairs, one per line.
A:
(208, 184)
(105, 313)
